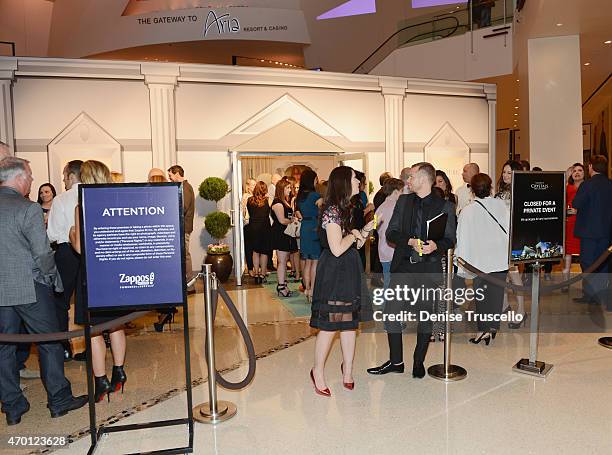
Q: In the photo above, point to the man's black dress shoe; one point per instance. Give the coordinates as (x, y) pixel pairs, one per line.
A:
(75, 403)
(387, 367)
(583, 299)
(418, 370)
(14, 420)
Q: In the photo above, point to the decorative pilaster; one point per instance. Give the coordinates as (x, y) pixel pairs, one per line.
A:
(161, 80)
(491, 91)
(7, 75)
(394, 92)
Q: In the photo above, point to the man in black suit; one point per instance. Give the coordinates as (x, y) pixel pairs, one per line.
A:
(416, 263)
(594, 228)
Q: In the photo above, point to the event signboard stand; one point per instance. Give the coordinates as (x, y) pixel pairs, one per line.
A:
(537, 235)
(133, 251)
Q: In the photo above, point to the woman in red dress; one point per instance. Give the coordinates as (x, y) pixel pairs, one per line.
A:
(572, 244)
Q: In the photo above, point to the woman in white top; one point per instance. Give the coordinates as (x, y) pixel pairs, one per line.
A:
(482, 241)
(392, 189)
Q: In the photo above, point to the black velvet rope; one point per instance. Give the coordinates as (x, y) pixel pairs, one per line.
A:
(543, 289)
(246, 336)
(58, 336)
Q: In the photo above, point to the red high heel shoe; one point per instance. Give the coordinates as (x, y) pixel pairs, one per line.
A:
(347, 385)
(325, 392)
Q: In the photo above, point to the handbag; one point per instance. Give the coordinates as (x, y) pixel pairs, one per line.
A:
(293, 229)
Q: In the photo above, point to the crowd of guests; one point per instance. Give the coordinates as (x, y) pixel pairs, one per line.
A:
(477, 226)
(42, 239)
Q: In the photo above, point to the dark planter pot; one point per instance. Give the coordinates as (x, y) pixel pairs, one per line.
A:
(221, 264)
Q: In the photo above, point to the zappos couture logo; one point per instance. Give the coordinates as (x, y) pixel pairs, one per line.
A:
(136, 281)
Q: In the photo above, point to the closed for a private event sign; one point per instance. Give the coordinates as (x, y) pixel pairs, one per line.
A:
(538, 216)
(132, 244)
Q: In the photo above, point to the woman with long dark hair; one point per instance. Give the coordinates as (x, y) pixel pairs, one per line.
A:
(337, 304)
(444, 183)
(46, 194)
(282, 215)
(260, 230)
(307, 205)
(504, 187)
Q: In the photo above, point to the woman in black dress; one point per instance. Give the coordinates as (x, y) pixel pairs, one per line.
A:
(96, 172)
(259, 230)
(282, 215)
(337, 304)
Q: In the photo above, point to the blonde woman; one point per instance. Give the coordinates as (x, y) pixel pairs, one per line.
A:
(96, 172)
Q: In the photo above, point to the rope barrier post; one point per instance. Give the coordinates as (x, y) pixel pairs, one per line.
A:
(214, 411)
(532, 366)
(446, 371)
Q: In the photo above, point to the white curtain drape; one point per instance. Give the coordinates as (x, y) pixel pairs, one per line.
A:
(254, 167)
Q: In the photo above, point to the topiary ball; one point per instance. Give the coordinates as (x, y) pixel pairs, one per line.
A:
(213, 189)
(217, 224)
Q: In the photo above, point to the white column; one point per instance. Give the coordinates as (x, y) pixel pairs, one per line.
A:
(161, 80)
(7, 74)
(394, 92)
(491, 91)
(555, 102)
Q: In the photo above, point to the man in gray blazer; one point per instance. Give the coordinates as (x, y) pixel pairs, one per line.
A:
(28, 275)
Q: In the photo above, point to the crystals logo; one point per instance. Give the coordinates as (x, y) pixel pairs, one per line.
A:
(136, 281)
(539, 186)
(222, 24)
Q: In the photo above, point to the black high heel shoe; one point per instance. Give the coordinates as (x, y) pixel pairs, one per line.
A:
(484, 336)
(518, 325)
(283, 291)
(257, 279)
(102, 387)
(493, 334)
(168, 318)
(118, 379)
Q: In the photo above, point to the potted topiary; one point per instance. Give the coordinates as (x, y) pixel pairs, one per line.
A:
(217, 224)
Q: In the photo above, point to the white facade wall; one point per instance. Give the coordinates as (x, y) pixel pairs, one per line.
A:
(218, 109)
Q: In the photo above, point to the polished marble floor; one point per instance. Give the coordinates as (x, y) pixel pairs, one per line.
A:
(494, 410)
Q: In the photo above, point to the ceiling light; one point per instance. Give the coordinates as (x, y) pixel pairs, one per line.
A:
(608, 42)
(518, 80)
(515, 114)
(559, 25)
(516, 99)
(515, 107)
(587, 64)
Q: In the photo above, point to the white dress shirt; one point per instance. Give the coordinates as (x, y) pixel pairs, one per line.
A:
(61, 215)
(464, 197)
(480, 240)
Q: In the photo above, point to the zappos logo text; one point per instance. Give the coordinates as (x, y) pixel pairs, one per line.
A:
(136, 281)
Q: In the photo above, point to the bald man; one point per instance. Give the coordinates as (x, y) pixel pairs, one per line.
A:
(464, 193)
(5, 151)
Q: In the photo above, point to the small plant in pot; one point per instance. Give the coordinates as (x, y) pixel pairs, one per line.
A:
(217, 224)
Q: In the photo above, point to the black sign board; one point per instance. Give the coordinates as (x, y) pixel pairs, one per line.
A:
(537, 224)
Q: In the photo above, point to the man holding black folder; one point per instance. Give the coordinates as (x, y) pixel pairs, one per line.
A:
(422, 228)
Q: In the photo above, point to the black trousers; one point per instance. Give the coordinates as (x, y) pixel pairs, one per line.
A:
(492, 299)
(67, 261)
(37, 317)
(425, 275)
(248, 247)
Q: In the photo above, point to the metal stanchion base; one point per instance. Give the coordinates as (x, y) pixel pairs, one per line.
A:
(225, 411)
(606, 342)
(537, 369)
(455, 373)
